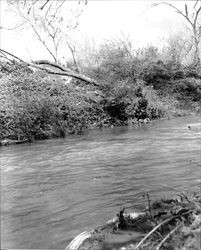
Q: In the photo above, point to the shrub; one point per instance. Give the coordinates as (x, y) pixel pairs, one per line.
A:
(127, 100)
(37, 106)
(156, 74)
(189, 87)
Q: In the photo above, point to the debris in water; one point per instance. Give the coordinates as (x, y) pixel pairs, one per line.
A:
(167, 224)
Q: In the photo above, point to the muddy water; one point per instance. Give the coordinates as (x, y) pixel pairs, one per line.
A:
(52, 190)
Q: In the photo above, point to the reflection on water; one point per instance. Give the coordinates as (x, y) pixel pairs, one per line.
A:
(53, 190)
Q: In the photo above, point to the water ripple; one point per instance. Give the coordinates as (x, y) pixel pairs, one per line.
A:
(53, 190)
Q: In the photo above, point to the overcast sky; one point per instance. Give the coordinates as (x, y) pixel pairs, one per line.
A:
(101, 20)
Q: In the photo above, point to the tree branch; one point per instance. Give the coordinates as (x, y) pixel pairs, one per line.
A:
(46, 62)
(193, 21)
(65, 72)
(13, 27)
(10, 54)
(195, 3)
(177, 10)
(196, 16)
(44, 4)
(43, 42)
(72, 50)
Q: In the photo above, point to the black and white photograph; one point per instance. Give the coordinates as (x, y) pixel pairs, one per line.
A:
(100, 124)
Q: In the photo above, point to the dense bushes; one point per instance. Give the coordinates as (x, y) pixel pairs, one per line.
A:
(189, 87)
(136, 86)
(127, 100)
(37, 106)
(145, 83)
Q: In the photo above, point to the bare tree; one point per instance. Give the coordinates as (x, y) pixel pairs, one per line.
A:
(193, 18)
(51, 26)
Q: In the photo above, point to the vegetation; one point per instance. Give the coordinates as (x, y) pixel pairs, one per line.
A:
(115, 84)
(132, 87)
(37, 106)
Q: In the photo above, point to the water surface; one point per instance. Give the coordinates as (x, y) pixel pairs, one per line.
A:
(53, 190)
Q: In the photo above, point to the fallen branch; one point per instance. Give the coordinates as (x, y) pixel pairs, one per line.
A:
(153, 230)
(167, 236)
(67, 72)
(8, 53)
(46, 62)
(106, 235)
(64, 72)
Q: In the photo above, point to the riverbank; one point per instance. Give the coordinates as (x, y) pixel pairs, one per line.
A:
(37, 106)
(134, 122)
(165, 224)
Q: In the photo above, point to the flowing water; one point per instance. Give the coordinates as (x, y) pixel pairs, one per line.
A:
(53, 190)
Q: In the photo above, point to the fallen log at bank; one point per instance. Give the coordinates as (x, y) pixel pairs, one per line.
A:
(66, 72)
(63, 71)
(166, 224)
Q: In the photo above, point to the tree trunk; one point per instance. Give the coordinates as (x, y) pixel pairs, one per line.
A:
(66, 72)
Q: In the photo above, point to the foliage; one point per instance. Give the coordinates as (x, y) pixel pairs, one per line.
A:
(137, 86)
(112, 64)
(144, 83)
(36, 106)
(127, 100)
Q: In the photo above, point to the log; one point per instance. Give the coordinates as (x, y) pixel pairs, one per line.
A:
(109, 227)
(63, 71)
(46, 62)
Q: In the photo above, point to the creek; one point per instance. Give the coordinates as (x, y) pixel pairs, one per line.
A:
(53, 190)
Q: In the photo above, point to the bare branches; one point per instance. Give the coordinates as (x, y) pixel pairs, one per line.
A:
(72, 50)
(14, 28)
(185, 15)
(47, 1)
(10, 54)
(49, 23)
(153, 230)
(30, 5)
(193, 21)
(168, 236)
(196, 16)
(42, 41)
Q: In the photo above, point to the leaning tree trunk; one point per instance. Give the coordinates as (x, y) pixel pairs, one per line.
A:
(62, 71)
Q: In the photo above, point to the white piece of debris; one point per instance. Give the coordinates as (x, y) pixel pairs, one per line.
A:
(78, 241)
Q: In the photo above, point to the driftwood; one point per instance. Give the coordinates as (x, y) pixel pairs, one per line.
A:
(78, 241)
(108, 228)
(63, 71)
(162, 223)
(168, 236)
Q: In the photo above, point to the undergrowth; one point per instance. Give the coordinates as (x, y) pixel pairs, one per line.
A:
(135, 88)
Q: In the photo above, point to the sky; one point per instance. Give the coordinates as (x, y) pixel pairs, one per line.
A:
(100, 21)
